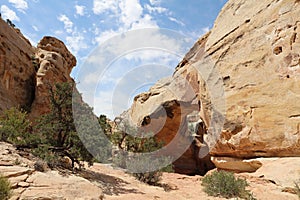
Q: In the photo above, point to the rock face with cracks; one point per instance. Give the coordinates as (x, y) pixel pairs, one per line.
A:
(243, 79)
(27, 72)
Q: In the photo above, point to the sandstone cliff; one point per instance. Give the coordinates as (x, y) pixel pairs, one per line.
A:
(27, 72)
(242, 78)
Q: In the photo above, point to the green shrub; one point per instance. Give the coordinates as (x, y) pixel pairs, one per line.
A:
(222, 183)
(5, 188)
(15, 128)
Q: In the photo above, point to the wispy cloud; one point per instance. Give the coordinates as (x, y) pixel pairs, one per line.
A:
(67, 23)
(21, 5)
(35, 28)
(7, 13)
(173, 19)
(155, 2)
(80, 10)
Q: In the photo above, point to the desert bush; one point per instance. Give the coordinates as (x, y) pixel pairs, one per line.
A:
(41, 166)
(131, 141)
(5, 188)
(225, 184)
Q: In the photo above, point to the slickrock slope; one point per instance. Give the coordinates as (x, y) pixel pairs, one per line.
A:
(27, 72)
(247, 69)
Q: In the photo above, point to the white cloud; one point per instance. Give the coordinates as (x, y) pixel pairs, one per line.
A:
(158, 9)
(8, 13)
(76, 42)
(106, 35)
(21, 5)
(67, 23)
(155, 2)
(131, 12)
(130, 17)
(101, 6)
(80, 10)
(145, 22)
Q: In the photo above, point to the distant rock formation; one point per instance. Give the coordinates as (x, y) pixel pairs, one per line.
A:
(27, 72)
(247, 70)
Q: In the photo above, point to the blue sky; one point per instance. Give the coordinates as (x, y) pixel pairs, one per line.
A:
(86, 26)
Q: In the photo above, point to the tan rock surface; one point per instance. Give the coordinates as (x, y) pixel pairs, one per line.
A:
(258, 56)
(17, 74)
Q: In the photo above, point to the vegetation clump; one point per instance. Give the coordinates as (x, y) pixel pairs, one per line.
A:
(225, 184)
(5, 188)
(132, 143)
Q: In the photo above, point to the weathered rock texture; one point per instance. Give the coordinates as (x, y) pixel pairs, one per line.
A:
(245, 81)
(27, 72)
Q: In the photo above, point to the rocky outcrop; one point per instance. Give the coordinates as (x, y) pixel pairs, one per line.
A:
(27, 72)
(242, 78)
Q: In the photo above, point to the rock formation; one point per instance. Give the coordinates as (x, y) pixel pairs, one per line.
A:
(27, 72)
(243, 78)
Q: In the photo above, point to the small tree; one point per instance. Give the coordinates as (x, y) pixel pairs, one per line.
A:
(58, 127)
